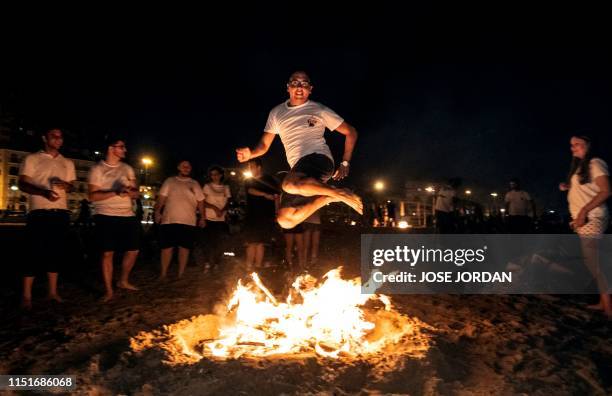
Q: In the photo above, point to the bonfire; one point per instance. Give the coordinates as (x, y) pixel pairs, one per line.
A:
(330, 318)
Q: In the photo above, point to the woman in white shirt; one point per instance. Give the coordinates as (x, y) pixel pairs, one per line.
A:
(588, 189)
(216, 201)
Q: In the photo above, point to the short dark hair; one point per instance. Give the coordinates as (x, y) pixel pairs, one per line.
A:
(112, 139)
(45, 132)
(217, 168)
(300, 72)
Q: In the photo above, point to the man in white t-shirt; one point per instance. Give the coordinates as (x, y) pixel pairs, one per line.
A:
(446, 200)
(112, 189)
(301, 123)
(519, 206)
(47, 176)
(179, 198)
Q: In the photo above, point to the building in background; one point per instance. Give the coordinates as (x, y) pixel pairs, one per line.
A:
(12, 199)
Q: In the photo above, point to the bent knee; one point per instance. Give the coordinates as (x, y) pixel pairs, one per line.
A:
(285, 219)
(291, 186)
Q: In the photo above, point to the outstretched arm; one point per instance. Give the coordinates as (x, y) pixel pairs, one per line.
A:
(244, 153)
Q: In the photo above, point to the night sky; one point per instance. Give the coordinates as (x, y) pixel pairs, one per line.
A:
(432, 96)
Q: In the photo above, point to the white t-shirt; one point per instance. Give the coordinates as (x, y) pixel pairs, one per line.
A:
(301, 128)
(43, 168)
(519, 203)
(218, 196)
(113, 178)
(580, 195)
(444, 200)
(182, 197)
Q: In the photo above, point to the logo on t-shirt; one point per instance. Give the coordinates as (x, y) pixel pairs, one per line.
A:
(312, 122)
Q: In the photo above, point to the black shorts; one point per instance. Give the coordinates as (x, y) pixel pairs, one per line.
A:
(47, 239)
(117, 233)
(172, 235)
(315, 165)
(258, 230)
(298, 229)
(312, 226)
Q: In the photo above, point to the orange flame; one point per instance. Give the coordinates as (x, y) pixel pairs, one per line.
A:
(330, 320)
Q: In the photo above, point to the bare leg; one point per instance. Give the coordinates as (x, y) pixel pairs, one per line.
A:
(26, 299)
(107, 274)
(316, 237)
(166, 258)
(259, 255)
(299, 243)
(290, 217)
(52, 279)
(289, 249)
(250, 256)
(309, 187)
(307, 239)
(590, 250)
(129, 258)
(183, 256)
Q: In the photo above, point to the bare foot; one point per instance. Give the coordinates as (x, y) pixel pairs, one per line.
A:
(107, 297)
(55, 297)
(351, 199)
(126, 286)
(26, 304)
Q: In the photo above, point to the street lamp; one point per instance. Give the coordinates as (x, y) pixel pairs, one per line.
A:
(430, 189)
(379, 186)
(247, 174)
(146, 161)
(494, 194)
(468, 192)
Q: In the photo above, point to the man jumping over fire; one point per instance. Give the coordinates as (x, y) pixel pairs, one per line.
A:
(301, 124)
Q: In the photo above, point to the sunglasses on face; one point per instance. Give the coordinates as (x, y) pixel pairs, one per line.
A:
(298, 84)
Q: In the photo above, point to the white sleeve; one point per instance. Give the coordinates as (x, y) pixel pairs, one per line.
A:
(598, 168)
(94, 176)
(27, 167)
(271, 126)
(164, 188)
(199, 195)
(71, 176)
(331, 120)
(131, 175)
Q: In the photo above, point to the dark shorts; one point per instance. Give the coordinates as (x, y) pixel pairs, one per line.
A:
(117, 233)
(298, 229)
(47, 233)
(315, 165)
(258, 230)
(312, 226)
(172, 235)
